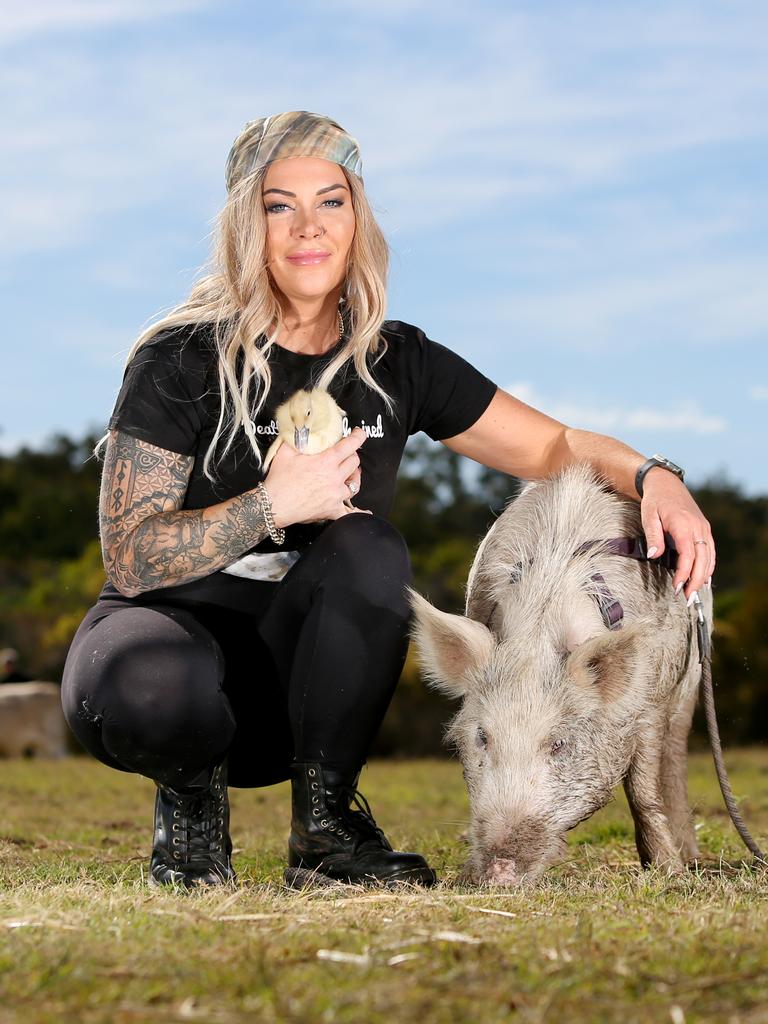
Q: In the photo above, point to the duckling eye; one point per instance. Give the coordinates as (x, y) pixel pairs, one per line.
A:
(481, 739)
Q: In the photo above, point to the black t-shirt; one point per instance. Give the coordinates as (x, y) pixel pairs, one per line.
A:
(170, 398)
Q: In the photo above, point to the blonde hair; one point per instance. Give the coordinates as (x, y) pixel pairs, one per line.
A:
(238, 299)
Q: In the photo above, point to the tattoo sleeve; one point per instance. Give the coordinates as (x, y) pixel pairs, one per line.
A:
(148, 541)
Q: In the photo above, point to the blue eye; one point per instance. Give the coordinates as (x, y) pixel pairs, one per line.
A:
(284, 206)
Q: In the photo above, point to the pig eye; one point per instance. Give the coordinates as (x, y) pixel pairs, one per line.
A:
(557, 747)
(481, 740)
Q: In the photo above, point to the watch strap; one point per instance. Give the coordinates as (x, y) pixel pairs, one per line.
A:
(656, 460)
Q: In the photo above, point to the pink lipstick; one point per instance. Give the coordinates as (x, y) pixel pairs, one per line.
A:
(308, 257)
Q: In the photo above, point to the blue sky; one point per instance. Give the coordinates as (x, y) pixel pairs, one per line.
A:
(575, 194)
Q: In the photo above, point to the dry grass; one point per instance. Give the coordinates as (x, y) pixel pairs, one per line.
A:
(81, 937)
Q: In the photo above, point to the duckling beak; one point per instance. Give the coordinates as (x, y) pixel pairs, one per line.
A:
(300, 438)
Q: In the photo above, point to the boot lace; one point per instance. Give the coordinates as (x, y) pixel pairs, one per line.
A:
(361, 815)
(198, 828)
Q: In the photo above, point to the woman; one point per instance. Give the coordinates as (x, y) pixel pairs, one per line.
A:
(253, 627)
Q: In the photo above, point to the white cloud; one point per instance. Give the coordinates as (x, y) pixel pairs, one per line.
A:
(35, 17)
(653, 304)
(759, 393)
(529, 115)
(686, 418)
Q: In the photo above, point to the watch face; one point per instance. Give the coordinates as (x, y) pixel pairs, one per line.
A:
(668, 464)
(656, 460)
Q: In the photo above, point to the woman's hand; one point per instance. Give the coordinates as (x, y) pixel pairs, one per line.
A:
(309, 488)
(667, 506)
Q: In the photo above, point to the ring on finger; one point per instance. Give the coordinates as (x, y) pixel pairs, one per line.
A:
(352, 485)
(701, 542)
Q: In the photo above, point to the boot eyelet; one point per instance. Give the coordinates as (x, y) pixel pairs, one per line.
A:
(315, 799)
(175, 827)
(315, 785)
(324, 823)
(176, 855)
(316, 811)
(221, 821)
(312, 773)
(175, 841)
(176, 814)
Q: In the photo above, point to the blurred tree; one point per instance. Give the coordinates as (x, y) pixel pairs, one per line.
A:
(44, 616)
(48, 526)
(740, 528)
(48, 501)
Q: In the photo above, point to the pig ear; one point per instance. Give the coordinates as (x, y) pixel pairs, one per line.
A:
(448, 646)
(606, 663)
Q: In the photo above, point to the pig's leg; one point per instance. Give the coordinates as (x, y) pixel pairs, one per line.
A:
(674, 780)
(642, 784)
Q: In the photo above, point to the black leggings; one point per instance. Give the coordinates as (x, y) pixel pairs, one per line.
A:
(303, 669)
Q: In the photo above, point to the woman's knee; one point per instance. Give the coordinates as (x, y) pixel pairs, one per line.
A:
(149, 679)
(369, 547)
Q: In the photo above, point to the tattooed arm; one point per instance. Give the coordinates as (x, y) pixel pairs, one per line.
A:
(148, 541)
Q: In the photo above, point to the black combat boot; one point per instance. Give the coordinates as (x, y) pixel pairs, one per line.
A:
(192, 844)
(333, 841)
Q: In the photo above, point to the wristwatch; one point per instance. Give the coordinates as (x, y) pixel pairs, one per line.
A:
(656, 460)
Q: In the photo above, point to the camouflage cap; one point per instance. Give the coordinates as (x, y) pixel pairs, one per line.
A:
(294, 133)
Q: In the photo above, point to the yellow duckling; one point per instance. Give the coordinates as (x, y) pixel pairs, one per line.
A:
(309, 421)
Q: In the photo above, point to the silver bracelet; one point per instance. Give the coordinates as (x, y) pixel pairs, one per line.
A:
(276, 533)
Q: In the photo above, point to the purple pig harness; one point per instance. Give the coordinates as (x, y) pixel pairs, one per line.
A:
(630, 547)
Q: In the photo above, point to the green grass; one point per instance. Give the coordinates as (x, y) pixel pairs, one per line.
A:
(82, 938)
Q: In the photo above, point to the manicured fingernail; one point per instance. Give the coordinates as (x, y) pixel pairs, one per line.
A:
(678, 588)
(692, 598)
(652, 552)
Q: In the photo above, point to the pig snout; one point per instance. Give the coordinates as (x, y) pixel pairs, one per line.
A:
(519, 857)
(503, 864)
(502, 871)
(506, 871)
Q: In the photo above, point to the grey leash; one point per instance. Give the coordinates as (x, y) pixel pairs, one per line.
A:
(708, 699)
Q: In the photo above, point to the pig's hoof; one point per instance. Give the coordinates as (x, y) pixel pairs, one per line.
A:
(690, 854)
(668, 866)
